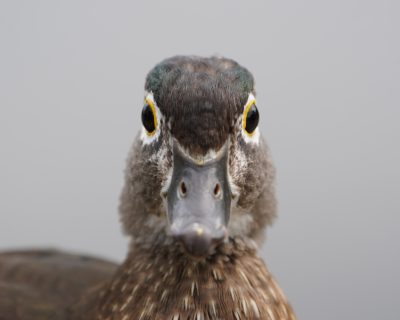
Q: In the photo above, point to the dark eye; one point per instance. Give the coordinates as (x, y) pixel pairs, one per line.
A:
(251, 118)
(149, 118)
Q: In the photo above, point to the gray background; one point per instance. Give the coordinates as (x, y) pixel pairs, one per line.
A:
(328, 80)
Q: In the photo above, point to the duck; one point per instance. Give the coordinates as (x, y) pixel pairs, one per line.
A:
(198, 194)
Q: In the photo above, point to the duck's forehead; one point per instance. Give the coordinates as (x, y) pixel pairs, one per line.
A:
(201, 98)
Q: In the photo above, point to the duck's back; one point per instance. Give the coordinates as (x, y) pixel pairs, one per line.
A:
(44, 284)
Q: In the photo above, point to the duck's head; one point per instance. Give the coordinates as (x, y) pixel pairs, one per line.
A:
(199, 172)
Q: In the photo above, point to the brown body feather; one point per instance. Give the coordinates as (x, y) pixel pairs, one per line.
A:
(164, 283)
(157, 283)
(44, 284)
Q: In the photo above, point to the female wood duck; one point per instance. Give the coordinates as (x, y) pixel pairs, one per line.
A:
(198, 194)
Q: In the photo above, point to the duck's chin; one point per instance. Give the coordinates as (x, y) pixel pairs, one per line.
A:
(211, 253)
(165, 245)
(156, 235)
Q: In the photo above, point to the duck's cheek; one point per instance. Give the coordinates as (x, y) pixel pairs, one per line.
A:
(241, 222)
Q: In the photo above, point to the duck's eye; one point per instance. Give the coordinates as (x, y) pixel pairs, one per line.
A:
(250, 118)
(149, 118)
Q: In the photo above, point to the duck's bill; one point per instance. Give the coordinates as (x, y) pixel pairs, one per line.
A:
(198, 201)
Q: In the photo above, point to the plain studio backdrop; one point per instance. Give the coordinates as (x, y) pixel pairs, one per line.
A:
(328, 81)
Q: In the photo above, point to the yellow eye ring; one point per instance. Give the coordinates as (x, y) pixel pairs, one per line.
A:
(250, 118)
(149, 117)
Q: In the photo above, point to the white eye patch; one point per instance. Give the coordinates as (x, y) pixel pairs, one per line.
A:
(249, 121)
(151, 119)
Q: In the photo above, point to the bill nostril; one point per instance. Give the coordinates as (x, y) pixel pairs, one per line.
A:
(217, 190)
(182, 189)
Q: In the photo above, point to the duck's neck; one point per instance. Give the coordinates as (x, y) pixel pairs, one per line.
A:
(162, 282)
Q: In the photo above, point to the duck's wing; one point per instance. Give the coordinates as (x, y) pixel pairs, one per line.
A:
(43, 284)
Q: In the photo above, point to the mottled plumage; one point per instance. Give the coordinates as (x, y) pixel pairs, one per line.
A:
(198, 195)
(161, 283)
